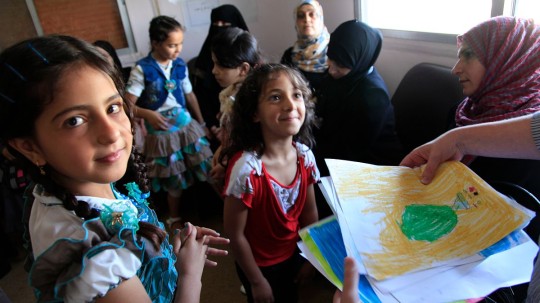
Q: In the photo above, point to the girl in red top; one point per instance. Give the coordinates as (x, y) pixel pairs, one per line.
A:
(269, 182)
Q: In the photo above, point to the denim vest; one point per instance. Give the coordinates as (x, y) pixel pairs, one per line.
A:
(156, 86)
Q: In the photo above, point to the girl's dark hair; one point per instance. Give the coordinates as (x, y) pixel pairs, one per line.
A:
(234, 46)
(245, 133)
(109, 48)
(30, 74)
(161, 26)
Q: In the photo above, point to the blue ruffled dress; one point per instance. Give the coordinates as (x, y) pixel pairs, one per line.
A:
(81, 260)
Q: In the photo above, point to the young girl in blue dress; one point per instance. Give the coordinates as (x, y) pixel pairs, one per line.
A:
(176, 149)
(269, 182)
(93, 235)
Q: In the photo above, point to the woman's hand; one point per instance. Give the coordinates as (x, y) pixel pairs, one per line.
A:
(443, 148)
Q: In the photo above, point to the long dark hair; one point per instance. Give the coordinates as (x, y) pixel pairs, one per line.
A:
(234, 46)
(245, 133)
(29, 78)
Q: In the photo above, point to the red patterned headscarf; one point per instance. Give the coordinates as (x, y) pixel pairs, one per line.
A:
(509, 49)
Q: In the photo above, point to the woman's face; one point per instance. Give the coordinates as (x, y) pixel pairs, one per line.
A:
(307, 21)
(337, 71)
(469, 70)
(220, 23)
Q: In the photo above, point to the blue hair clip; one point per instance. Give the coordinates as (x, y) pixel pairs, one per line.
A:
(15, 71)
(8, 99)
(38, 53)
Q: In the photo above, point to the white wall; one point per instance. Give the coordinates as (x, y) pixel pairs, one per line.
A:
(273, 25)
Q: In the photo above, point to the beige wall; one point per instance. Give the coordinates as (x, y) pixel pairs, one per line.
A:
(273, 26)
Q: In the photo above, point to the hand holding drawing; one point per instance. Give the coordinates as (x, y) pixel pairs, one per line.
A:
(504, 139)
(350, 284)
(433, 154)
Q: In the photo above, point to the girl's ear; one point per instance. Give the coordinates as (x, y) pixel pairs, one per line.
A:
(244, 69)
(256, 118)
(29, 149)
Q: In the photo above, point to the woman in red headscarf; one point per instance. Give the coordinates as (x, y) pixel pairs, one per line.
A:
(499, 69)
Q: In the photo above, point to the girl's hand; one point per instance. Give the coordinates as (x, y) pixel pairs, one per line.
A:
(305, 274)
(218, 133)
(217, 172)
(350, 284)
(190, 254)
(157, 120)
(262, 292)
(212, 237)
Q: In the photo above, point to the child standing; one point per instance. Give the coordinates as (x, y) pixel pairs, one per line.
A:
(234, 53)
(269, 182)
(177, 152)
(63, 117)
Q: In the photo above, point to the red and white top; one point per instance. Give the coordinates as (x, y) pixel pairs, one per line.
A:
(272, 224)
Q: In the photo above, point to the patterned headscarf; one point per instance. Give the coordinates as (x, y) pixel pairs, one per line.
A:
(309, 52)
(509, 49)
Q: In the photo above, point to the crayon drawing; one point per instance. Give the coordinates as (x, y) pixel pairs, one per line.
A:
(403, 225)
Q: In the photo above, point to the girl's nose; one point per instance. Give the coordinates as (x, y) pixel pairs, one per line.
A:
(108, 131)
(288, 103)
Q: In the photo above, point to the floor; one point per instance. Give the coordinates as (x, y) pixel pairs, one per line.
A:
(220, 284)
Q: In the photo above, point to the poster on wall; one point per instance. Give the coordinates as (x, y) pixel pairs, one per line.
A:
(197, 12)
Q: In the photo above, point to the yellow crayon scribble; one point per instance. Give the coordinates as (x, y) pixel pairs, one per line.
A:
(387, 190)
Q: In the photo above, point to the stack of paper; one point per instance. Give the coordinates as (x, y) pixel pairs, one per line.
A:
(454, 239)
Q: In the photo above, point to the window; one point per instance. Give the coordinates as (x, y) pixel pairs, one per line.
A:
(88, 20)
(437, 20)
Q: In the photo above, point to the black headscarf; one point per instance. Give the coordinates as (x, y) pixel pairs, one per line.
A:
(355, 45)
(226, 13)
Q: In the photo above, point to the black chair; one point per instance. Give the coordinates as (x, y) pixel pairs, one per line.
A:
(517, 293)
(524, 198)
(424, 104)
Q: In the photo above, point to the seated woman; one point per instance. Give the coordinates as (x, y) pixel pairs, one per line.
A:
(308, 54)
(357, 118)
(499, 69)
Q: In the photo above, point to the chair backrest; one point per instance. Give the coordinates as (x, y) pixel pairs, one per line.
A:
(424, 103)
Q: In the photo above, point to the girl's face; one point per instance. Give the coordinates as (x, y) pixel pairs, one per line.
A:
(307, 20)
(169, 49)
(281, 110)
(229, 76)
(337, 71)
(469, 70)
(84, 134)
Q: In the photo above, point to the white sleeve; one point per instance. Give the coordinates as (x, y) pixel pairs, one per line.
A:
(101, 273)
(135, 84)
(186, 84)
